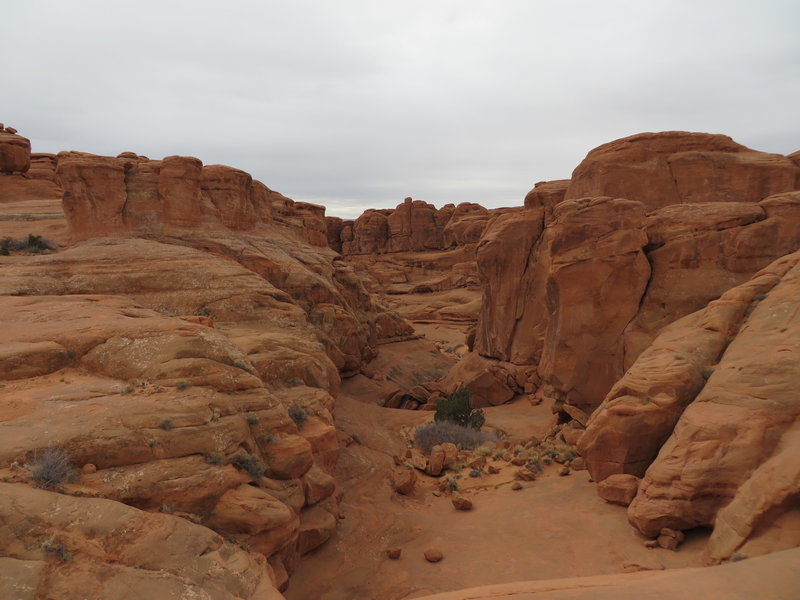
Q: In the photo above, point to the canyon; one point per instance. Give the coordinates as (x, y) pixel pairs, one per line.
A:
(231, 382)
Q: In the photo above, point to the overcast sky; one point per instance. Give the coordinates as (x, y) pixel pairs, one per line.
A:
(357, 104)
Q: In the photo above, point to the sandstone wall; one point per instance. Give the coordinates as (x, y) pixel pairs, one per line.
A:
(582, 287)
(708, 416)
(413, 226)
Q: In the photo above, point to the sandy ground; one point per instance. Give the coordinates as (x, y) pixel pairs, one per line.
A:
(554, 527)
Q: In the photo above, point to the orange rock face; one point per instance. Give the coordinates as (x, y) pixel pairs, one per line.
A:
(15, 153)
(579, 290)
(129, 193)
(710, 411)
(677, 167)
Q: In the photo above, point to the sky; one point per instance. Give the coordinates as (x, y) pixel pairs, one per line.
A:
(357, 104)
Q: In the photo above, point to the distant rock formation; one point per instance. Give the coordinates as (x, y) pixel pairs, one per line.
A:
(105, 195)
(414, 226)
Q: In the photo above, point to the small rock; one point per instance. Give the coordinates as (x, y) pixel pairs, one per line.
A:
(478, 463)
(651, 543)
(670, 539)
(461, 502)
(89, 468)
(563, 471)
(492, 470)
(618, 488)
(668, 543)
(516, 486)
(433, 555)
(525, 475)
(394, 553)
(577, 464)
(404, 480)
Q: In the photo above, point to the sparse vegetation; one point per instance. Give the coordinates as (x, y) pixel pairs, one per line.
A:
(251, 464)
(166, 424)
(181, 385)
(240, 365)
(57, 549)
(215, 458)
(426, 436)
(707, 372)
(456, 409)
(298, 414)
(269, 438)
(33, 244)
(252, 418)
(51, 468)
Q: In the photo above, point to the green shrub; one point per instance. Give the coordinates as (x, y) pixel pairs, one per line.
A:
(181, 385)
(456, 409)
(252, 418)
(428, 435)
(166, 424)
(51, 468)
(33, 244)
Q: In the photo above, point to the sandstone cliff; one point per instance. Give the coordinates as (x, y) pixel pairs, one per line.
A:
(578, 289)
(182, 353)
(708, 415)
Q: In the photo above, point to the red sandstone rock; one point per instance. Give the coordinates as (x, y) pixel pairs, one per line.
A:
(461, 502)
(676, 167)
(15, 153)
(618, 489)
(546, 194)
(404, 480)
(433, 555)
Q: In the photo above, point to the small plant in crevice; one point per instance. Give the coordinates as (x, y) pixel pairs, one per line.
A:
(215, 458)
(240, 365)
(51, 468)
(181, 385)
(298, 414)
(356, 438)
(57, 549)
(251, 464)
(167, 508)
(252, 418)
(269, 438)
(707, 372)
(166, 424)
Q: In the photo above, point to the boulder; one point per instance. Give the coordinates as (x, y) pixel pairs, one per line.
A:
(618, 489)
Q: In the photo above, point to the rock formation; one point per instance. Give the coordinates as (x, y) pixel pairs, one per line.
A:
(708, 415)
(190, 345)
(581, 288)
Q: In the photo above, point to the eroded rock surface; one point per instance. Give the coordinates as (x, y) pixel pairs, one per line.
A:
(708, 415)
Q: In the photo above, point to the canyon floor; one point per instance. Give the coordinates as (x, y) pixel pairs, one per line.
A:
(570, 531)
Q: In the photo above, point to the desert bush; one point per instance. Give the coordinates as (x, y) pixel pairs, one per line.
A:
(298, 415)
(57, 549)
(426, 436)
(456, 409)
(51, 468)
(252, 418)
(33, 244)
(251, 464)
(215, 458)
(166, 424)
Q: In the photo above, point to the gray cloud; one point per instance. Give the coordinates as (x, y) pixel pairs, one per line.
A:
(357, 104)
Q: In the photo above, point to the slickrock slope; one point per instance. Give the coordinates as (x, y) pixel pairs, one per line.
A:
(709, 416)
(184, 354)
(775, 576)
(578, 290)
